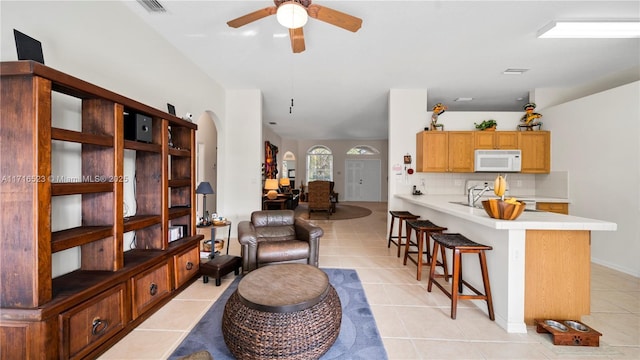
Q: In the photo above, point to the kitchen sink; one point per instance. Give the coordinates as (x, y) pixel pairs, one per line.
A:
(478, 205)
(464, 203)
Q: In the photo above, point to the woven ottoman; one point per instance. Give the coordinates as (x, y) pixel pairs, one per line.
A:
(286, 311)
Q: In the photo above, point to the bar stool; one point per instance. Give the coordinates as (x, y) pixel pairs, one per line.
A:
(423, 230)
(401, 215)
(460, 245)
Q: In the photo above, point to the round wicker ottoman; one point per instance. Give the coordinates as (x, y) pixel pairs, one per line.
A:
(286, 311)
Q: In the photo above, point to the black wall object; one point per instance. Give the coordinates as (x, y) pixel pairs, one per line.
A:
(28, 48)
(171, 108)
(138, 127)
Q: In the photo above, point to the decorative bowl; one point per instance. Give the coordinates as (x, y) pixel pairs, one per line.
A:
(499, 209)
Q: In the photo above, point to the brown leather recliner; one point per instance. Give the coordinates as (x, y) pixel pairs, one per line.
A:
(276, 236)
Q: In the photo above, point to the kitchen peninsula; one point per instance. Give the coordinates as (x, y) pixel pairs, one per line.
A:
(540, 264)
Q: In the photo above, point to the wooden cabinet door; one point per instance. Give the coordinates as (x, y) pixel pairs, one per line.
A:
(536, 152)
(506, 140)
(93, 322)
(560, 208)
(496, 139)
(150, 287)
(431, 152)
(460, 145)
(186, 265)
(484, 139)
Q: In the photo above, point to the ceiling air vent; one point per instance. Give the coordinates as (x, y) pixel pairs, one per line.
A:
(153, 6)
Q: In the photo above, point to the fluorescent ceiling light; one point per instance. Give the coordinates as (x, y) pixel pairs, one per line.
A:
(591, 29)
(463, 99)
(511, 71)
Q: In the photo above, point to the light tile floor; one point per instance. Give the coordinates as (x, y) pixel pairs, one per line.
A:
(414, 324)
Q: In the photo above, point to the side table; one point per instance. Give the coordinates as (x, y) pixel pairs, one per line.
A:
(209, 233)
(219, 265)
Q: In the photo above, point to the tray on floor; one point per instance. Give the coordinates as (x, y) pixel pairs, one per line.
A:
(569, 332)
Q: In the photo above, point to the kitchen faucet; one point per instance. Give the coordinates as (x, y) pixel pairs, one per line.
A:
(471, 199)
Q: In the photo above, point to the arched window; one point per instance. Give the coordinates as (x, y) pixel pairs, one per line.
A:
(319, 164)
(363, 150)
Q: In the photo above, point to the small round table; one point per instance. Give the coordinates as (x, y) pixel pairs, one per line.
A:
(285, 311)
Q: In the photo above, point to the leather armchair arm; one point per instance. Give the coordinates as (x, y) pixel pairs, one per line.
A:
(306, 231)
(248, 245)
(247, 233)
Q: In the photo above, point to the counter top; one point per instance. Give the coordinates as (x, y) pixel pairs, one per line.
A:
(529, 220)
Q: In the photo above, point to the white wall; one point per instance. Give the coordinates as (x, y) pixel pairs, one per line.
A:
(239, 156)
(407, 116)
(596, 139)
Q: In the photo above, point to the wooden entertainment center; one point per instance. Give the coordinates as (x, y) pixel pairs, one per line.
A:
(81, 313)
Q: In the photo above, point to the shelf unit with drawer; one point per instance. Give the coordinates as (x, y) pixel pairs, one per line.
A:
(82, 312)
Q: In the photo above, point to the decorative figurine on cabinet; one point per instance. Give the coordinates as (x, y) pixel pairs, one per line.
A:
(529, 118)
(438, 109)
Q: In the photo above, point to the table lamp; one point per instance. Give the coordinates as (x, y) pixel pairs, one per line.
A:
(285, 183)
(205, 188)
(271, 185)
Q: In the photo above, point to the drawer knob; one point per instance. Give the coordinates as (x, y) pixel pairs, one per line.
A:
(99, 326)
(189, 265)
(153, 289)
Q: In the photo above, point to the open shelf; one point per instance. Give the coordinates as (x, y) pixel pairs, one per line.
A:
(81, 137)
(69, 238)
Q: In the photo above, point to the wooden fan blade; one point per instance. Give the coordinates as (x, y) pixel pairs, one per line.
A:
(334, 17)
(251, 17)
(297, 40)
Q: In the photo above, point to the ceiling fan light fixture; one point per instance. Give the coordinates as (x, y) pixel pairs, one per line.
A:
(292, 15)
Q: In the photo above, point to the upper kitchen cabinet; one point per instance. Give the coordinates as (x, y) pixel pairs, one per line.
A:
(444, 151)
(496, 139)
(536, 151)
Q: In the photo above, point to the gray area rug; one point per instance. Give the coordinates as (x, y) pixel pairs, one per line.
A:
(343, 212)
(359, 337)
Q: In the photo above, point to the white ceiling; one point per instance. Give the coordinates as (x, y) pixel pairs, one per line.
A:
(451, 48)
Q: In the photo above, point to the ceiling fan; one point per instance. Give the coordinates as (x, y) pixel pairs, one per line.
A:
(294, 13)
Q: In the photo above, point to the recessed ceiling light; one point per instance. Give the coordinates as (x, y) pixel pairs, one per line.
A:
(463, 99)
(515, 71)
(590, 29)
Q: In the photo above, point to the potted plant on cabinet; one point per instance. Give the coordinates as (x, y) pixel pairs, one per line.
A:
(489, 125)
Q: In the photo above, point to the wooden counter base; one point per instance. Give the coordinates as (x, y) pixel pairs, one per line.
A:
(557, 274)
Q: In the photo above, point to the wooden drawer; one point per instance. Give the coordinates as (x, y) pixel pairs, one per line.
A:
(560, 208)
(149, 287)
(88, 325)
(186, 266)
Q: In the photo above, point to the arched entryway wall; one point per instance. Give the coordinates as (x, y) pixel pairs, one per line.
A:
(289, 168)
(207, 159)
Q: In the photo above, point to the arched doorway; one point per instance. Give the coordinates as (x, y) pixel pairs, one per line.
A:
(207, 159)
(289, 168)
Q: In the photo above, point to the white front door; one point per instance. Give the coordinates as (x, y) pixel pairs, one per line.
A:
(362, 180)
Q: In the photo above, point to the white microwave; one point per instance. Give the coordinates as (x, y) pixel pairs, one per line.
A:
(498, 161)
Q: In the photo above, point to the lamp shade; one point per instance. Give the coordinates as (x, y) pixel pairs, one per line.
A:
(285, 182)
(292, 15)
(271, 184)
(204, 188)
